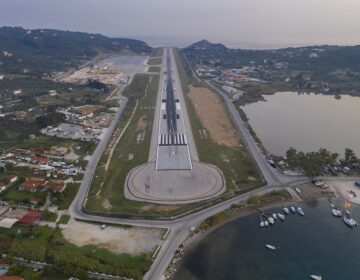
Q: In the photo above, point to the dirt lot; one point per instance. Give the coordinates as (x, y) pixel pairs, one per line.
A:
(343, 188)
(119, 240)
(213, 116)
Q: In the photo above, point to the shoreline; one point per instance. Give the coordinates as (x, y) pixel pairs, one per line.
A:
(308, 193)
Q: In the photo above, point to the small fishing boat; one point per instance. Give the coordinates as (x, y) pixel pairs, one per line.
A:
(292, 208)
(274, 216)
(271, 220)
(316, 277)
(298, 190)
(271, 247)
(300, 211)
(286, 210)
(332, 205)
(281, 216)
(349, 221)
(262, 223)
(336, 213)
(266, 223)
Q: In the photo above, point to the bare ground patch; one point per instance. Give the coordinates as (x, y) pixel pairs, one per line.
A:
(162, 208)
(141, 125)
(119, 240)
(213, 116)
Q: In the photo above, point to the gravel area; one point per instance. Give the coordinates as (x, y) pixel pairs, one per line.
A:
(119, 240)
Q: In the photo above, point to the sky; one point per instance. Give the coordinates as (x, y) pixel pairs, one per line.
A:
(237, 23)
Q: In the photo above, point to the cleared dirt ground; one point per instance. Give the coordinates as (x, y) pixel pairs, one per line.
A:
(119, 240)
(213, 116)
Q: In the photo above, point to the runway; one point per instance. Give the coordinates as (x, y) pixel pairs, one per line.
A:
(172, 145)
(173, 174)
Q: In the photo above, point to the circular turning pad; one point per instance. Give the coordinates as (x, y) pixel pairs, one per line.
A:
(145, 183)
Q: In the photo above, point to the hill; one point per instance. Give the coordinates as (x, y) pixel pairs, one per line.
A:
(316, 57)
(48, 50)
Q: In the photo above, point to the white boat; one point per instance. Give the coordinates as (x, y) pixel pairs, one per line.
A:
(274, 216)
(315, 277)
(347, 212)
(349, 221)
(298, 190)
(332, 205)
(271, 220)
(300, 211)
(271, 247)
(286, 210)
(262, 224)
(292, 208)
(336, 213)
(281, 216)
(266, 223)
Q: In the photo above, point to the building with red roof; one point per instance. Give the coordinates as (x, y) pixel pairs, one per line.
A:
(39, 160)
(5, 277)
(55, 186)
(32, 185)
(30, 218)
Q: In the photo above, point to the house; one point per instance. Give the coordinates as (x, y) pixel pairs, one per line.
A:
(39, 160)
(32, 185)
(13, 179)
(56, 187)
(5, 277)
(2, 187)
(30, 218)
(52, 92)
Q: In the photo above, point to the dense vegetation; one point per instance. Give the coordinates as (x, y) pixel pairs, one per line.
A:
(45, 50)
(314, 163)
(47, 245)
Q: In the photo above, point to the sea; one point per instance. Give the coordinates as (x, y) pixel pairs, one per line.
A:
(316, 244)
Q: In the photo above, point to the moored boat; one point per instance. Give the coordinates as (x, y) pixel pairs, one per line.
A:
(300, 211)
(336, 213)
(316, 277)
(349, 221)
(266, 223)
(271, 247)
(281, 216)
(271, 220)
(274, 216)
(292, 208)
(286, 210)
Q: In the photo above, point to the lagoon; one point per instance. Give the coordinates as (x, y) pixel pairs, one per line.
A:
(306, 122)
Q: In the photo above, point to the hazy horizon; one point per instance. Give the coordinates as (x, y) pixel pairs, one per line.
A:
(236, 23)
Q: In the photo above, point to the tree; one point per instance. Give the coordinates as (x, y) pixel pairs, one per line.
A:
(350, 156)
(51, 118)
(35, 276)
(326, 156)
(292, 157)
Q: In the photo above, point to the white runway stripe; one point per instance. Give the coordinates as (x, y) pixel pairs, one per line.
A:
(172, 140)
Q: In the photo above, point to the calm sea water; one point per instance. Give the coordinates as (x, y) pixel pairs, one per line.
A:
(315, 244)
(306, 122)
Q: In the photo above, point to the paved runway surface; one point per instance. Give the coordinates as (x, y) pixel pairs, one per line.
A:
(174, 175)
(172, 139)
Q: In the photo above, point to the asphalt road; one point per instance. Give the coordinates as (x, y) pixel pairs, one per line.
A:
(180, 228)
